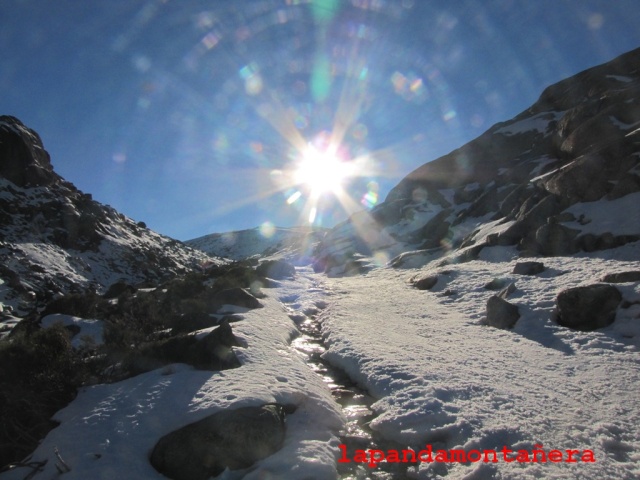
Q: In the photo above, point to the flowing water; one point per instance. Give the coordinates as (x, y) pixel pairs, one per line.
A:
(355, 402)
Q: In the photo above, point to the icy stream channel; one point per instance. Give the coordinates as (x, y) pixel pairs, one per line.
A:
(355, 402)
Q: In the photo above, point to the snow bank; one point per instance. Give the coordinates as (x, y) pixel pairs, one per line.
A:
(614, 216)
(108, 431)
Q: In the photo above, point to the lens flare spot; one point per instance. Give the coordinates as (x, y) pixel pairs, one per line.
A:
(210, 40)
(370, 199)
(321, 79)
(312, 214)
(449, 115)
(410, 87)
(252, 79)
(380, 258)
(292, 198)
(360, 132)
(301, 122)
(324, 10)
(119, 158)
(267, 229)
(595, 21)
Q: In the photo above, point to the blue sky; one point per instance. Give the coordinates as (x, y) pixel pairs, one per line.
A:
(188, 114)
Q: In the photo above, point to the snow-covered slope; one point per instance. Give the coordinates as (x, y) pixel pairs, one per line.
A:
(578, 143)
(295, 244)
(109, 430)
(442, 379)
(55, 239)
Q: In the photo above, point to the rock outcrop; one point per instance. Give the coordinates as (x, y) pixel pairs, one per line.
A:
(211, 352)
(25, 162)
(580, 142)
(276, 269)
(57, 239)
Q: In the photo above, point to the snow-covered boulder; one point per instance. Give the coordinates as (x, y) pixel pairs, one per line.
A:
(233, 439)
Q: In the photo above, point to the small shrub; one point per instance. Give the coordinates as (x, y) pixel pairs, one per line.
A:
(40, 375)
(85, 305)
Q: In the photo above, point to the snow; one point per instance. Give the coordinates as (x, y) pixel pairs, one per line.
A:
(90, 331)
(538, 123)
(614, 216)
(622, 125)
(620, 78)
(108, 431)
(443, 378)
(486, 227)
(439, 375)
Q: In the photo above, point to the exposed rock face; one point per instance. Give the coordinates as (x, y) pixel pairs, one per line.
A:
(25, 162)
(589, 307)
(235, 296)
(500, 313)
(276, 269)
(212, 352)
(87, 245)
(231, 439)
(578, 143)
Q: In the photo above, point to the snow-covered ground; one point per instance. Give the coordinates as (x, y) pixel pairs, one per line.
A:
(445, 379)
(439, 375)
(108, 431)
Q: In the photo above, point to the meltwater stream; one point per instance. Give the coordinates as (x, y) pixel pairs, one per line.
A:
(354, 401)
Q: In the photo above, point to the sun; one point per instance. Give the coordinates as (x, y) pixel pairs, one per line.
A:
(321, 171)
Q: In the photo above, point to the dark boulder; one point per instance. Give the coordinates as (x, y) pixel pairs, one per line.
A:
(500, 313)
(387, 213)
(622, 277)
(425, 283)
(212, 352)
(276, 269)
(528, 268)
(235, 296)
(506, 291)
(629, 183)
(233, 439)
(118, 288)
(556, 239)
(589, 307)
(605, 241)
(497, 283)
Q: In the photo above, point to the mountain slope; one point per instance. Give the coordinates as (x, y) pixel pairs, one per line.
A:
(580, 142)
(424, 366)
(56, 239)
(295, 244)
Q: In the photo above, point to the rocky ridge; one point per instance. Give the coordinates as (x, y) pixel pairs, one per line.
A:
(530, 182)
(56, 239)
